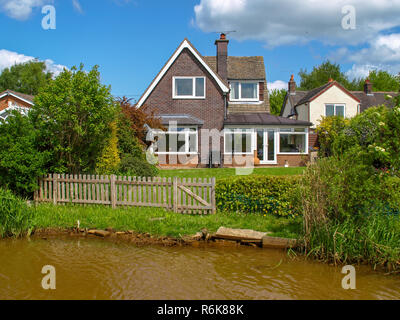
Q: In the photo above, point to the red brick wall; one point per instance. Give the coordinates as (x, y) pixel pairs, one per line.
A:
(4, 102)
(210, 109)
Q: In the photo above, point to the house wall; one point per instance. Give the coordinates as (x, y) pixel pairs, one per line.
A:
(302, 112)
(5, 102)
(210, 110)
(287, 108)
(332, 96)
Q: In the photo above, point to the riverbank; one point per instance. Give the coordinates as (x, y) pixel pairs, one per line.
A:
(158, 222)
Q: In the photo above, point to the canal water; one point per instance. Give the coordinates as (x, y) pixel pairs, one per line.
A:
(98, 269)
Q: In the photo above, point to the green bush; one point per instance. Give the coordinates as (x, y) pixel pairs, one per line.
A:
(258, 194)
(136, 166)
(15, 215)
(21, 161)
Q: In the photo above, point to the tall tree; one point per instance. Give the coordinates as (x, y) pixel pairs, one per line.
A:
(26, 78)
(321, 74)
(73, 114)
(384, 81)
(276, 98)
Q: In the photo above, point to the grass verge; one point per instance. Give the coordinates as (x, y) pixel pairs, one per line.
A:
(158, 222)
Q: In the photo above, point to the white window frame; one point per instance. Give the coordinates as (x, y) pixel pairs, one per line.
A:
(187, 131)
(193, 96)
(240, 91)
(334, 108)
(239, 131)
(292, 132)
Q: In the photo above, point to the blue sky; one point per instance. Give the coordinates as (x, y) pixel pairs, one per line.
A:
(132, 39)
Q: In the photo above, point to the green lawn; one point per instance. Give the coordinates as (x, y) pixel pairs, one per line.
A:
(173, 224)
(227, 172)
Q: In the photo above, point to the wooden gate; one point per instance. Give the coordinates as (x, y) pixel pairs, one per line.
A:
(191, 196)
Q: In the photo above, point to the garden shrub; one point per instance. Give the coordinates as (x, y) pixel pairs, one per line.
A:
(21, 161)
(109, 160)
(257, 194)
(15, 215)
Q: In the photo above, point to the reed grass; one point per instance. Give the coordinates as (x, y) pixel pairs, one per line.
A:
(15, 215)
(373, 239)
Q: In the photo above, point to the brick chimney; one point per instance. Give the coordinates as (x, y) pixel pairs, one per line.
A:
(368, 87)
(292, 85)
(222, 56)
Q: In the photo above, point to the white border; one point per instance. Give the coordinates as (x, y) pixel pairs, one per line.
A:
(334, 106)
(240, 90)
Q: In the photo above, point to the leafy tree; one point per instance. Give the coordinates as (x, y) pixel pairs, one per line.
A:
(21, 163)
(139, 118)
(384, 81)
(108, 162)
(26, 78)
(321, 75)
(73, 114)
(276, 98)
(133, 159)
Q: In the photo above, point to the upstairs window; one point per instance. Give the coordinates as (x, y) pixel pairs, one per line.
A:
(244, 91)
(189, 87)
(334, 110)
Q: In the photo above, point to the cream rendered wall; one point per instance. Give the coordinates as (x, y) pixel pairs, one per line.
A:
(333, 95)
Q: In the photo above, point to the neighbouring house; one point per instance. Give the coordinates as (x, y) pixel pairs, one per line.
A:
(329, 100)
(216, 110)
(11, 100)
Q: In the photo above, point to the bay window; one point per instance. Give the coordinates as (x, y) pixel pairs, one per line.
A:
(238, 141)
(244, 91)
(293, 141)
(177, 141)
(189, 87)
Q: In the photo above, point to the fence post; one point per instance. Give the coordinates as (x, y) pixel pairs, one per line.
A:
(175, 188)
(55, 193)
(113, 191)
(213, 202)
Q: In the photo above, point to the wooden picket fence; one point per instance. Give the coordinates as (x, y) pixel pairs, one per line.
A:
(191, 196)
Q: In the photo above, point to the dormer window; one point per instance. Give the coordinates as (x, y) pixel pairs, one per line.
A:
(189, 87)
(244, 91)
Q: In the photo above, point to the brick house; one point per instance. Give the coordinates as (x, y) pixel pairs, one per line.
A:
(328, 100)
(11, 100)
(216, 110)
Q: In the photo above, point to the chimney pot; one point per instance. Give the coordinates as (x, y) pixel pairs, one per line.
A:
(368, 87)
(292, 85)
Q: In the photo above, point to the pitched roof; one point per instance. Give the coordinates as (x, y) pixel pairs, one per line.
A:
(262, 119)
(314, 93)
(375, 99)
(241, 68)
(184, 45)
(24, 97)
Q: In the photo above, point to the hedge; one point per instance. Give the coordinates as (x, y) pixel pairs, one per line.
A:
(258, 194)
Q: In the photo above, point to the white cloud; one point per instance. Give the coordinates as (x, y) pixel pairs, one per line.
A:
(77, 6)
(297, 22)
(277, 85)
(9, 58)
(21, 9)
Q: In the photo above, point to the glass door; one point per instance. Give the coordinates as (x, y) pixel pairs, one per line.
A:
(266, 145)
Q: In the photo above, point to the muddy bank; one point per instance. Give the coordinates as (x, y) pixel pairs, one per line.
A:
(202, 238)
